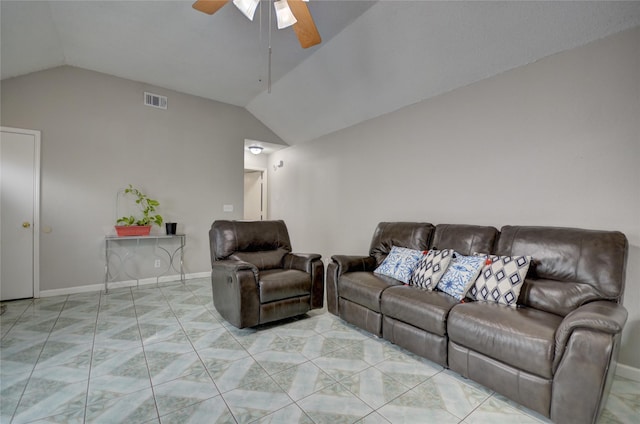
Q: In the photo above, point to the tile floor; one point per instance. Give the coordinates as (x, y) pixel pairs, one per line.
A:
(164, 355)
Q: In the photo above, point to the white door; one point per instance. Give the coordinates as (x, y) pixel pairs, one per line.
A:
(253, 196)
(19, 206)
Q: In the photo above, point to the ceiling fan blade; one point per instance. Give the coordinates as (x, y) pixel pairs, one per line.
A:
(305, 28)
(209, 6)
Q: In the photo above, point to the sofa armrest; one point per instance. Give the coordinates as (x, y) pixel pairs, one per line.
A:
(339, 265)
(587, 344)
(300, 261)
(601, 316)
(354, 263)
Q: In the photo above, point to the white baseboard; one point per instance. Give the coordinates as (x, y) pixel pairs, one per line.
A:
(119, 284)
(628, 372)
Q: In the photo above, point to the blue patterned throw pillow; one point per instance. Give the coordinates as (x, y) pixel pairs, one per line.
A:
(501, 279)
(460, 275)
(430, 268)
(399, 263)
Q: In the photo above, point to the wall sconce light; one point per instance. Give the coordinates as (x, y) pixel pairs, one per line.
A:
(279, 165)
(255, 149)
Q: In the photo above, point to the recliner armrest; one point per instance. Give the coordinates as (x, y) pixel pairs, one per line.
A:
(601, 316)
(312, 264)
(228, 265)
(348, 263)
(300, 261)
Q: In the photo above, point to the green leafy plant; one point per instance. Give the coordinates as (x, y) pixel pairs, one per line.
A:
(147, 206)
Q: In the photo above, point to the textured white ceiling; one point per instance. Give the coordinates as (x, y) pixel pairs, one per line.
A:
(376, 57)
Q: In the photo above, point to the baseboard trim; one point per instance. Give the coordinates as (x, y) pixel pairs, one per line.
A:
(119, 284)
(628, 372)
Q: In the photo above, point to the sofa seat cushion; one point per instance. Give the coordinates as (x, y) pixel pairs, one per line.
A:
(523, 338)
(281, 284)
(365, 288)
(426, 310)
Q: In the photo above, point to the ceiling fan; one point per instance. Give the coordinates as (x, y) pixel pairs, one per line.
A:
(288, 13)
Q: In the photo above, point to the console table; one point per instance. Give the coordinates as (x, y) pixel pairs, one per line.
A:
(131, 245)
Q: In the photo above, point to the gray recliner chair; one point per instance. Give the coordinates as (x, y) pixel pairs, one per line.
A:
(256, 279)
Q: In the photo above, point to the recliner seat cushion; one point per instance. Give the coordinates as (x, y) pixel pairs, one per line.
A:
(283, 284)
(523, 338)
(365, 288)
(427, 310)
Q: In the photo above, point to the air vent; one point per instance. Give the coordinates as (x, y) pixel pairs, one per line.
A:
(155, 100)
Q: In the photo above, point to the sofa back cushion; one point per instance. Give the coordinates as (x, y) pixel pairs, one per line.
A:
(570, 266)
(412, 235)
(262, 243)
(464, 239)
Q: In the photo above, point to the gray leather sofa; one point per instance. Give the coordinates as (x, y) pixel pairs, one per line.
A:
(555, 353)
(256, 279)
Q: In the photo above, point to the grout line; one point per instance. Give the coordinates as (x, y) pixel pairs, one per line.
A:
(93, 346)
(35, 364)
(193, 346)
(144, 353)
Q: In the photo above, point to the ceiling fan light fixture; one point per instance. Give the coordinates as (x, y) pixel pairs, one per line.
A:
(248, 7)
(284, 15)
(255, 149)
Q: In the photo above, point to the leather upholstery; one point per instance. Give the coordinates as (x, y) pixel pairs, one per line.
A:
(352, 282)
(365, 288)
(426, 310)
(582, 381)
(423, 343)
(229, 237)
(339, 265)
(256, 279)
(278, 284)
(361, 316)
(464, 239)
(601, 316)
(555, 353)
(527, 389)
(522, 337)
(591, 262)
(412, 235)
(267, 259)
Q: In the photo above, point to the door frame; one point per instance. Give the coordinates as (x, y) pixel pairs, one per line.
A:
(36, 203)
(265, 209)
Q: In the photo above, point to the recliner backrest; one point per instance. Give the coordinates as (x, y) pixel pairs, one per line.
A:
(412, 235)
(570, 267)
(464, 239)
(262, 243)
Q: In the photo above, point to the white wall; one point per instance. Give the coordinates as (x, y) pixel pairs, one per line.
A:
(97, 137)
(556, 142)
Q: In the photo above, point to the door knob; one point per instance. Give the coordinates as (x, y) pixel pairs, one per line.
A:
(26, 224)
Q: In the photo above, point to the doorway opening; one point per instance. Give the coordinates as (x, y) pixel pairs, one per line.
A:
(19, 213)
(254, 195)
(256, 178)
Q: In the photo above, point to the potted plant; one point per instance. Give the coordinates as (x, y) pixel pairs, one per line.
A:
(139, 225)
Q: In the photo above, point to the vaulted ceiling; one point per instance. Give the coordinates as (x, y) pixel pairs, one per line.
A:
(375, 57)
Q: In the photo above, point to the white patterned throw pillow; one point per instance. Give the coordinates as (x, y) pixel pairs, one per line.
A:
(460, 275)
(501, 279)
(430, 268)
(399, 263)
